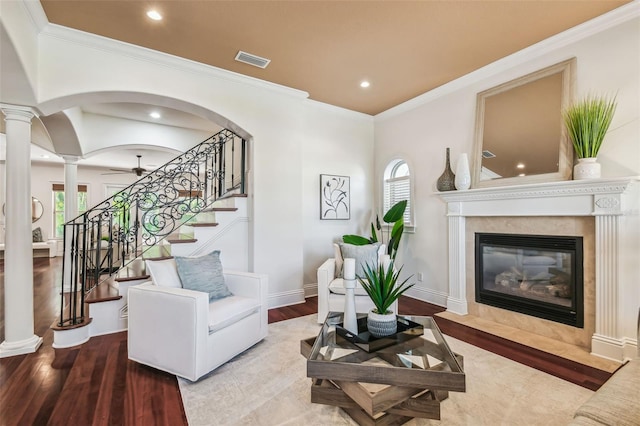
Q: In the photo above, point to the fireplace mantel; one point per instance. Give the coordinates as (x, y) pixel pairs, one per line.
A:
(615, 204)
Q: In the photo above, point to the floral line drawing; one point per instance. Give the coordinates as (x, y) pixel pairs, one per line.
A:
(334, 197)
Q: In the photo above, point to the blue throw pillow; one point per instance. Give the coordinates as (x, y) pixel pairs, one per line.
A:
(203, 273)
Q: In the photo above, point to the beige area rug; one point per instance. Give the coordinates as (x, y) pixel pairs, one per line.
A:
(267, 385)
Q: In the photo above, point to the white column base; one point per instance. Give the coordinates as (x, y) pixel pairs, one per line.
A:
(613, 349)
(457, 306)
(27, 346)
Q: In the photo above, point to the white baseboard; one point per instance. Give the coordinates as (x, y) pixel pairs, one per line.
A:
(614, 349)
(286, 298)
(428, 295)
(310, 290)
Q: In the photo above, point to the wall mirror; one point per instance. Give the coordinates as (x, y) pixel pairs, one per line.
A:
(37, 209)
(520, 136)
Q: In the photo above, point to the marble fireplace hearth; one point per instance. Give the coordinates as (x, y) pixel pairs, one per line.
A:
(605, 212)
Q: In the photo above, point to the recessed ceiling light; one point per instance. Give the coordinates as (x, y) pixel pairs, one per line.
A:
(520, 166)
(155, 115)
(155, 15)
(44, 156)
(364, 84)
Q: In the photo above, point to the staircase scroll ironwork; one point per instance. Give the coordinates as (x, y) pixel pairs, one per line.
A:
(105, 238)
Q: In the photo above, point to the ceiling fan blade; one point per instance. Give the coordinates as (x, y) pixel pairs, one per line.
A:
(115, 173)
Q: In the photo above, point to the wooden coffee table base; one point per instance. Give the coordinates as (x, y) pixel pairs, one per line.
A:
(388, 405)
(387, 385)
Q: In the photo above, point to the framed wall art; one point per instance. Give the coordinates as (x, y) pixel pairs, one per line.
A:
(334, 197)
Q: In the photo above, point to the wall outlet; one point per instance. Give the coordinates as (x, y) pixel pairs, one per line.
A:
(420, 276)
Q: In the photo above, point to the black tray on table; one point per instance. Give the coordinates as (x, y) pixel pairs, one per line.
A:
(407, 330)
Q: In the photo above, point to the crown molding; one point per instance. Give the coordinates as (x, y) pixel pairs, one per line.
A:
(36, 13)
(601, 23)
(349, 113)
(157, 58)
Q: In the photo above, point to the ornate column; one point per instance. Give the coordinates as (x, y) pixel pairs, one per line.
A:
(606, 340)
(18, 265)
(457, 299)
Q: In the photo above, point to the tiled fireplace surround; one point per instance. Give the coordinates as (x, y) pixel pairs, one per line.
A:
(605, 212)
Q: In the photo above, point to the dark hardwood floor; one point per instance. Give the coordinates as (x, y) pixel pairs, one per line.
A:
(96, 384)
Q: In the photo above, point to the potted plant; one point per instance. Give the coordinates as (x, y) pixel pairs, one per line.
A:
(587, 122)
(395, 216)
(382, 287)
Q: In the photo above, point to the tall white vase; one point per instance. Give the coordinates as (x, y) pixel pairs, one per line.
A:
(463, 176)
(350, 321)
(587, 168)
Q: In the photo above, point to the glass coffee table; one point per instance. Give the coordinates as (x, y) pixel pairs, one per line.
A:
(383, 381)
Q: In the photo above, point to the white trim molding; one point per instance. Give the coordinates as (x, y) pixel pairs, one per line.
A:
(615, 204)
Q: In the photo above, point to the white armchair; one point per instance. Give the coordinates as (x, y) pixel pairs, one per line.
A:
(181, 332)
(331, 288)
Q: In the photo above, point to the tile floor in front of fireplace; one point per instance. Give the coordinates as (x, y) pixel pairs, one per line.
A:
(545, 344)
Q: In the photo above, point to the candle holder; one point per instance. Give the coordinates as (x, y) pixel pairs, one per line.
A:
(349, 282)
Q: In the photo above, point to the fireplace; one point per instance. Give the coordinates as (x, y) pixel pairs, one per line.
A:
(537, 275)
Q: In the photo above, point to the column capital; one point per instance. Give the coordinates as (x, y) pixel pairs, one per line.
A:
(70, 159)
(18, 112)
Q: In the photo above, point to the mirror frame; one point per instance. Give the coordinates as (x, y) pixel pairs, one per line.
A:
(565, 151)
(34, 217)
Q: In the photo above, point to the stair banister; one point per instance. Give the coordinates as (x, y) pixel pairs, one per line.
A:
(142, 215)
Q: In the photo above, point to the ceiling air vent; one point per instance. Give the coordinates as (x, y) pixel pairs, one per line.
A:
(250, 59)
(488, 154)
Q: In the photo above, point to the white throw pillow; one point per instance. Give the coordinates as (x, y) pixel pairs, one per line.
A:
(164, 273)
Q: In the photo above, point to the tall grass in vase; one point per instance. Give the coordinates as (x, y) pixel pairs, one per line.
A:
(587, 123)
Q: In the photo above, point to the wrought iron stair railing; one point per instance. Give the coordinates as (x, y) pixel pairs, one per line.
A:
(104, 239)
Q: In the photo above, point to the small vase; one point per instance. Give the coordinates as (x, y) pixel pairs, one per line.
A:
(446, 180)
(587, 168)
(463, 176)
(381, 325)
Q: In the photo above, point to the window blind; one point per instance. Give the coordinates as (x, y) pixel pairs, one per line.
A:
(60, 187)
(395, 190)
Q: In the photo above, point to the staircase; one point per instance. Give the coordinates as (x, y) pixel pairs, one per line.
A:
(188, 207)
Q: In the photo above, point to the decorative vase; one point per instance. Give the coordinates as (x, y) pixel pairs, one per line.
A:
(463, 176)
(350, 321)
(446, 180)
(587, 168)
(382, 325)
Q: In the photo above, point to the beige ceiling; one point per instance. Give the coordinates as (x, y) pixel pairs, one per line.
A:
(404, 48)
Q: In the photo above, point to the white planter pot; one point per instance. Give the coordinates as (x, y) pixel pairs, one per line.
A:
(381, 325)
(587, 168)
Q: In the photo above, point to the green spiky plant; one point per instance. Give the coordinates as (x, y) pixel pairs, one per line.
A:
(382, 286)
(395, 216)
(587, 122)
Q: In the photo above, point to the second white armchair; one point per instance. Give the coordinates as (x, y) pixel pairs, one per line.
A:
(331, 284)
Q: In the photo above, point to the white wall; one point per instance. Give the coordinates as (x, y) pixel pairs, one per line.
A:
(419, 131)
(283, 127)
(338, 143)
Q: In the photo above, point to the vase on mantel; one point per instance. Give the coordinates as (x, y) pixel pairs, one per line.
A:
(463, 176)
(587, 168)
(446, 181)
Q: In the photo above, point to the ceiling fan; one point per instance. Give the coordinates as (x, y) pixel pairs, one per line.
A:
(139, 171)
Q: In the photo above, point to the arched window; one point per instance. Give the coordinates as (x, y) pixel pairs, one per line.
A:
(397, 187)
